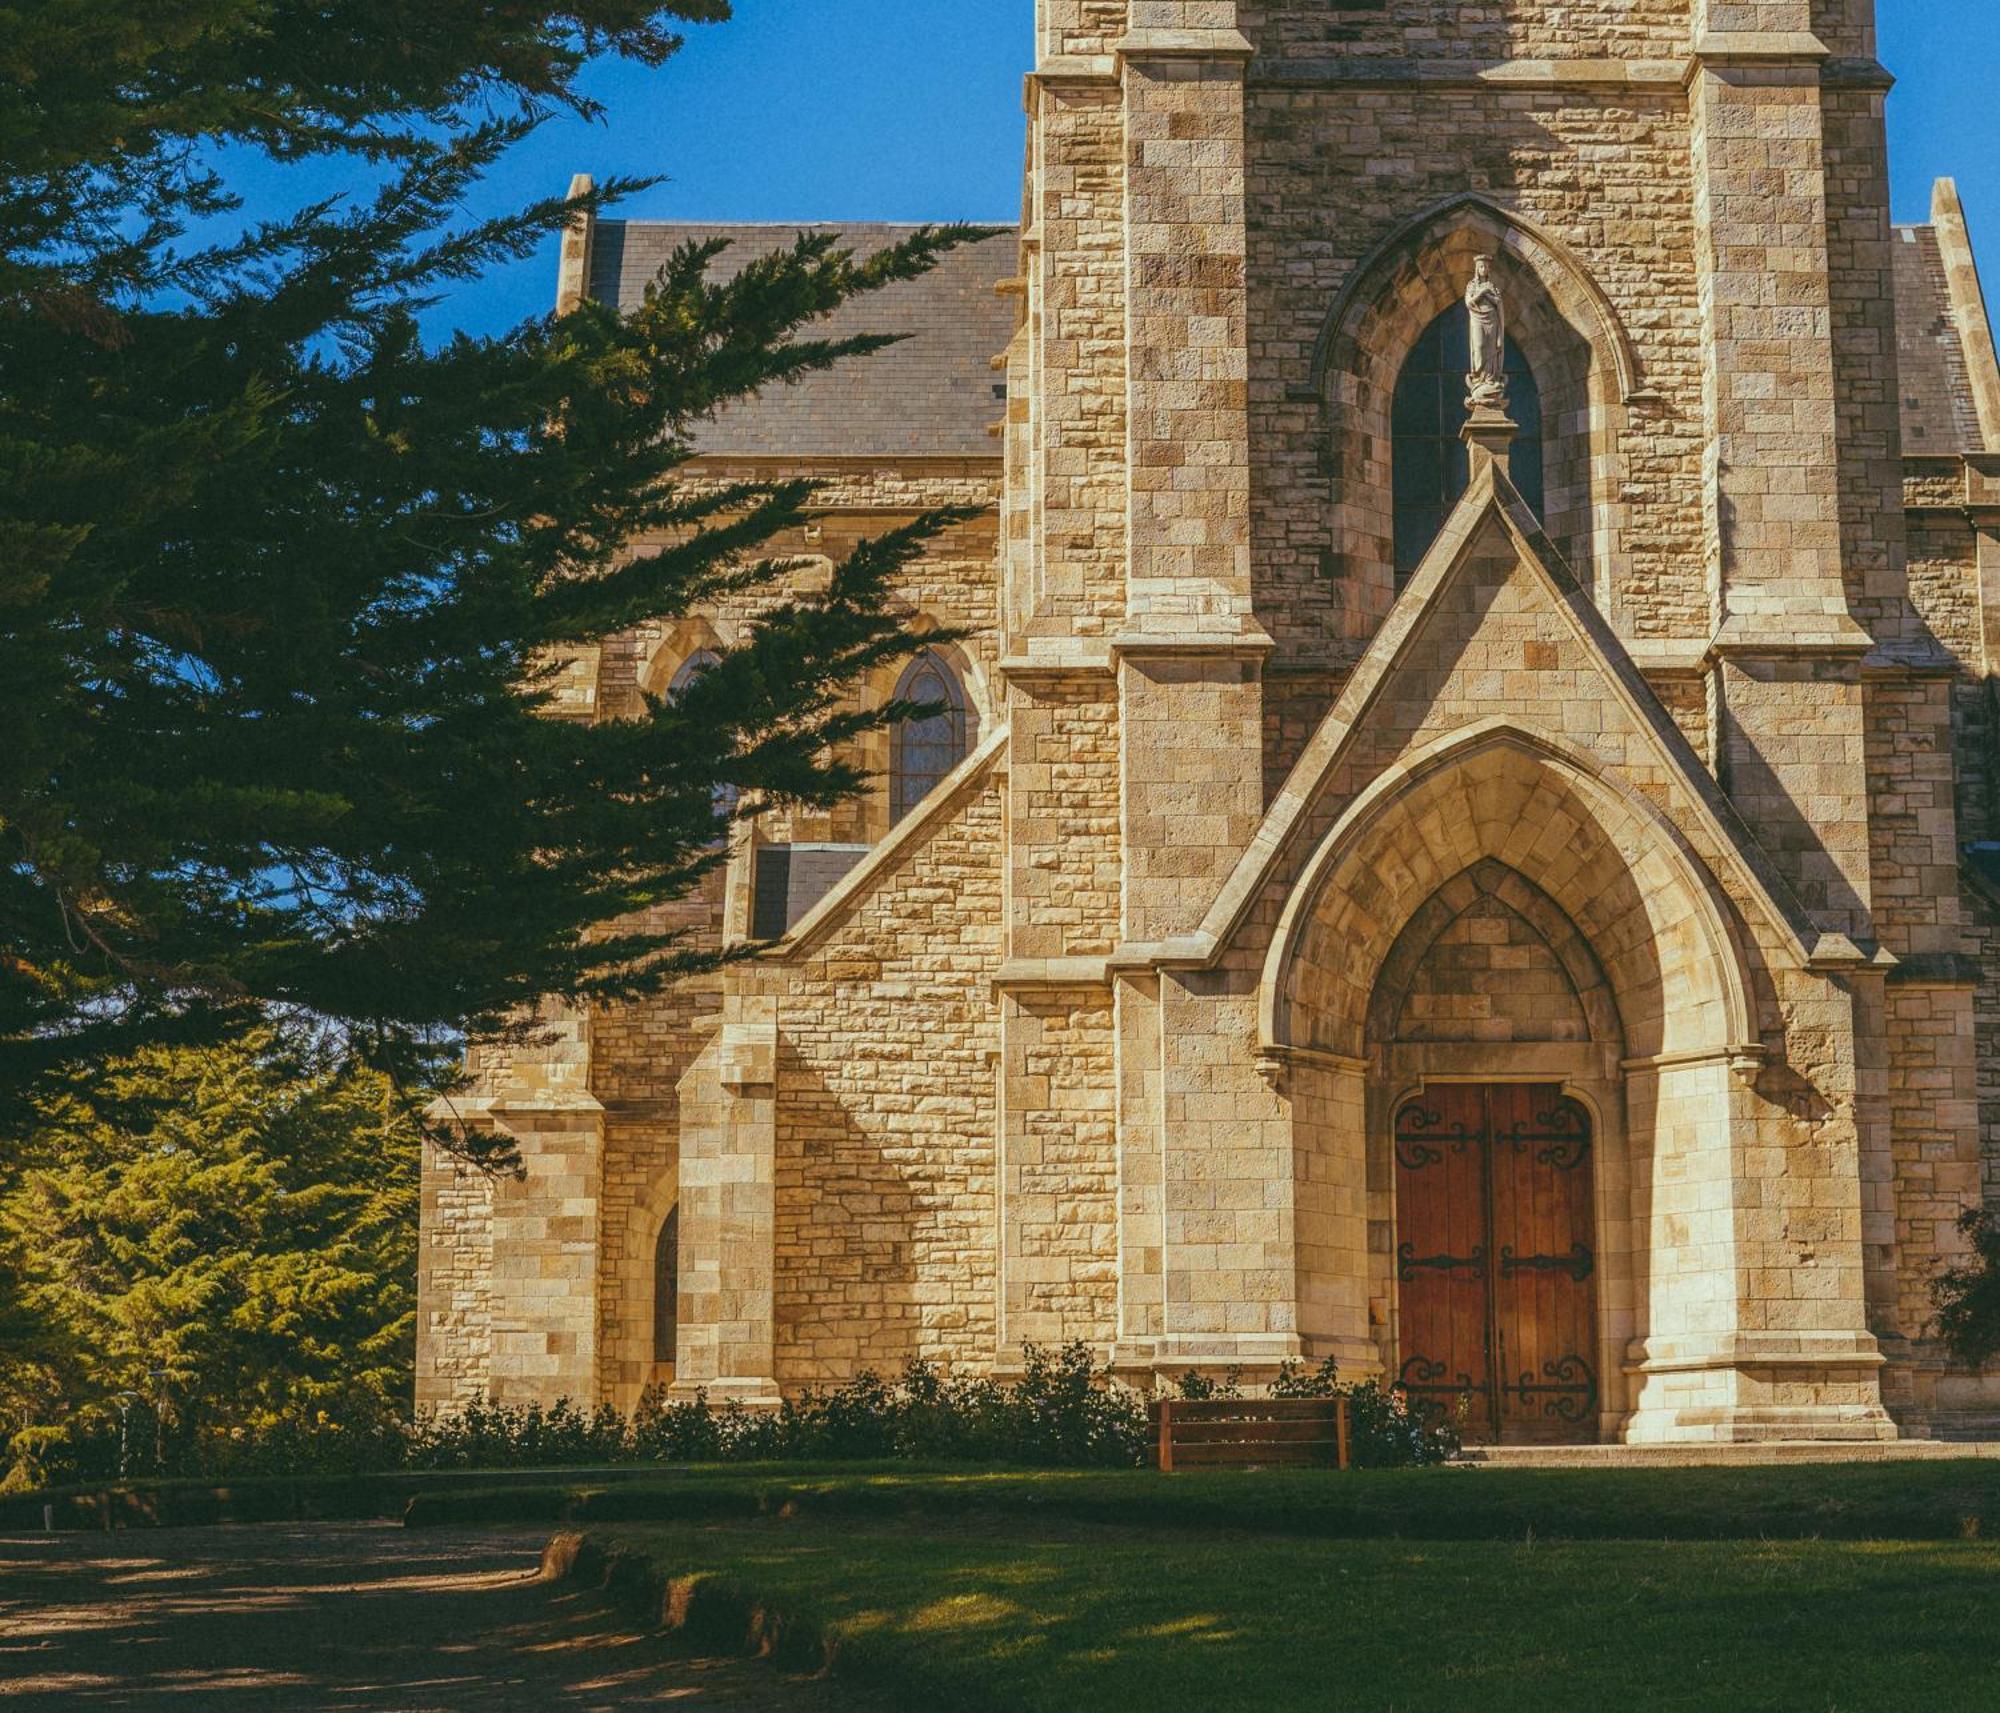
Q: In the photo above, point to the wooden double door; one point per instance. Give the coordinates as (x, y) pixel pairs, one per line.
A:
(1496, 1260)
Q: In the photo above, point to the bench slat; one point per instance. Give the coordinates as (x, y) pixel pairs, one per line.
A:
(1248, 1409)
(1250, 1433)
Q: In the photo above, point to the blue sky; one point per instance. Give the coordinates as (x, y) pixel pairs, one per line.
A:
(911, 110)
(1944, 120)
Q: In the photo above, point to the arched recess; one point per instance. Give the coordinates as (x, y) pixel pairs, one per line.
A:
(1657, 1022)
(628, 1322)
(691, 669)
(1558, 317)
(665, 664)
(1608, 858)
(1490, 985)
(1554, 991)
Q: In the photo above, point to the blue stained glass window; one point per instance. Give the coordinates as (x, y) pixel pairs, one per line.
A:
(1432, 466)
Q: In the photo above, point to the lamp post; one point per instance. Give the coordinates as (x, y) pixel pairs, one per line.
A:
(124, 1401)
(158, 1376)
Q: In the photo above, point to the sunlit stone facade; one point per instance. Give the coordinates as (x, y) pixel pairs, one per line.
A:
(1673, 795)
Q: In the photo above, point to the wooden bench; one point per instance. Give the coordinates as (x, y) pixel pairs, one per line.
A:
(1244, 1432)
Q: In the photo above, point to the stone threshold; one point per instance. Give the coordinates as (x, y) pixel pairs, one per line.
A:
(1762, 1454)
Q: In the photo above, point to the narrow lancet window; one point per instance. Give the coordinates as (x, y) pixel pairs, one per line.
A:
(1431, 465)
(726, 796)
(925, 751)
(667, 1290)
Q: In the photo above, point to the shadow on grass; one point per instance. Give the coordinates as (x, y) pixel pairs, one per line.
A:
(325, 1617)
(1029, 1617)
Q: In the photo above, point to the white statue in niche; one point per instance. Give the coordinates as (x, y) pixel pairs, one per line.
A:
(1486, 384)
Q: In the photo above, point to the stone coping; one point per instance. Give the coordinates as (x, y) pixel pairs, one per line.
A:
(862, 879)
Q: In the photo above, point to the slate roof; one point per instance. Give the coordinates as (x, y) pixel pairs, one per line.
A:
(935, 394)
(1938, 413)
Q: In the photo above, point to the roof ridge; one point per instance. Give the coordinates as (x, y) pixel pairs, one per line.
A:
(1002, 227)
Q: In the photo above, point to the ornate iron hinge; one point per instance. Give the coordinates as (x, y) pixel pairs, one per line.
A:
(1409, 1262)
(1567, 1391)
(1579, 1263)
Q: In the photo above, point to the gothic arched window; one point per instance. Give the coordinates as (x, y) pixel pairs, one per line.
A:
(692, 668)
(1432, 466)
(667, 1290)
(924, 751)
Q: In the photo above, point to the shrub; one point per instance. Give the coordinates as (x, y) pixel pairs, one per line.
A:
(1062, 1411)
(518, 1436)
(1385, 1432)
(1197, 1388)
(665, 1432)
(1968, 1295)
(100, 1445)
(1296, 1380)
(1064, 1418)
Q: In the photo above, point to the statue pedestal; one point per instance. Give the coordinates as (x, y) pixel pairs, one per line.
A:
(1489, 433)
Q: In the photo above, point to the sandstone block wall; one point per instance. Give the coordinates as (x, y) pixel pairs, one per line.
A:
(887, 1175)
(1105, 1047)
(475, 1339)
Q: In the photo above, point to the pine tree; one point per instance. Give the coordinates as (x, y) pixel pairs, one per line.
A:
(223, 1237)
(280, 586)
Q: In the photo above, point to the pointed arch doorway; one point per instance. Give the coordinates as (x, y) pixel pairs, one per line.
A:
(1496, 1260)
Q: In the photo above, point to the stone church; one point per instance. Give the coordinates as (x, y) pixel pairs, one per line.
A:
(1465, 838)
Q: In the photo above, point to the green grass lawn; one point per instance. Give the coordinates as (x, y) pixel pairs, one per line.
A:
(1799, 1589)
(1010, 1613)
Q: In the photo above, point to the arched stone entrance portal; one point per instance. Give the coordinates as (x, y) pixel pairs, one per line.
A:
(1496, 911)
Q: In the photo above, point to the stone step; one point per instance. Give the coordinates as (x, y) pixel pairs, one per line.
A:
(1723, 1456)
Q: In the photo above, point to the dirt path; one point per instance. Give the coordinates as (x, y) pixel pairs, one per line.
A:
(362, 1617)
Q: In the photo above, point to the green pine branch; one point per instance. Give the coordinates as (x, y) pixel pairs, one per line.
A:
(280, 584)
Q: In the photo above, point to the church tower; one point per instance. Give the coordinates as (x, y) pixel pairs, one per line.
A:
(1369, 786)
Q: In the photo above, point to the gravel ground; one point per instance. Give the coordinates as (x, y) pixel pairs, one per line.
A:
(361, 1617)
